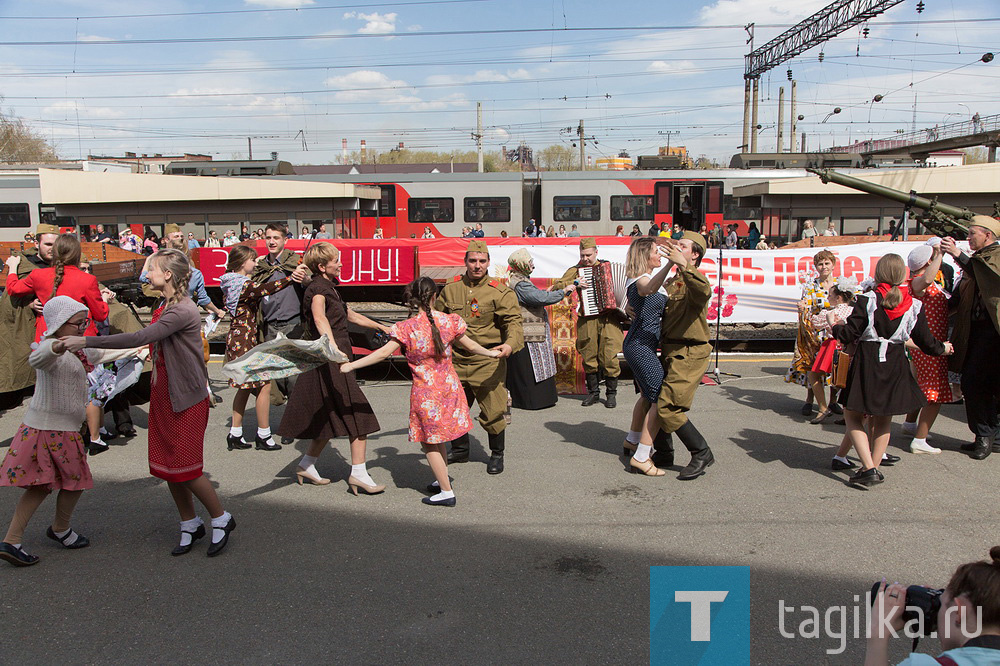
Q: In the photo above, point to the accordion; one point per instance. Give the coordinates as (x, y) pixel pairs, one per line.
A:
(607, 289)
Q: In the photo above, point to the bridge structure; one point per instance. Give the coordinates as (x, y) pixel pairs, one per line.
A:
(921, 143)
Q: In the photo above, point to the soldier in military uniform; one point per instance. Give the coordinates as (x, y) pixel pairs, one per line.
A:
(17, 322)
(685, 349)
(598, 338)
(493, 317)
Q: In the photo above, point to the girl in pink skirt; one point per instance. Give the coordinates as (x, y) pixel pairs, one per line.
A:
(47, 452)
(439, 412)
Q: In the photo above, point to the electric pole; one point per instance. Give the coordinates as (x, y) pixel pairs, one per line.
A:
(583, 158)
(478, 136)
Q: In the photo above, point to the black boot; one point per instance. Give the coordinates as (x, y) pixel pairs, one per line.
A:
(701, 455)
(982, 448)
(495, 465)
(593, 390)
(663, 449)
(459, 450)
(611, 384)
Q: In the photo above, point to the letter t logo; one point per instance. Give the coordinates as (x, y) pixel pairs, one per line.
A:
(701, 610)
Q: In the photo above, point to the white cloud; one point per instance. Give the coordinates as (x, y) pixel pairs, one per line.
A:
(483, 75)
(92, 38)
(280, 4)
(682, 67)
(758, 11)
(365, 85)
(60, 109)
(375, 23)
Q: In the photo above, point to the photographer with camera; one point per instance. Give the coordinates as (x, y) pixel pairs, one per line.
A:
(965, 615)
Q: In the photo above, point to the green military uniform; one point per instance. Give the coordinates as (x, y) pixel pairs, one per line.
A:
(685, 353)
(17, 326)
(493, 317)
(599, 340)
(684, 343)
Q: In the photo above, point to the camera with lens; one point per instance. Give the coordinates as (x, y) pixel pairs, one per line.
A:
(919, 600)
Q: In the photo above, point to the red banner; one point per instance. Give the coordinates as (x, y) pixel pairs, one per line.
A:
(365, 263)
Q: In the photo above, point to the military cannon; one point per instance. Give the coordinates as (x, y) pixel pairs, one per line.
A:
(939, 218)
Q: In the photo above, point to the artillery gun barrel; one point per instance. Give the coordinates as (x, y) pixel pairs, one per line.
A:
(905, 198)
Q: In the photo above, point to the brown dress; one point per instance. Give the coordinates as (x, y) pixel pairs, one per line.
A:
(325, 402)
(243, 328)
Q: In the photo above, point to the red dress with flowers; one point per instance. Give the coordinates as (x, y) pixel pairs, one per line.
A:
(176, 439)
(439, 411)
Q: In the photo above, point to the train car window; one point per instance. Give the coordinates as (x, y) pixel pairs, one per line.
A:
(627, 208)
(576, 209)
(15, 215)
(487, 209)
(432, 210)
(664, 197)
(731, 211)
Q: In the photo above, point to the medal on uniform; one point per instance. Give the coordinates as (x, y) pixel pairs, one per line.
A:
(474, 306)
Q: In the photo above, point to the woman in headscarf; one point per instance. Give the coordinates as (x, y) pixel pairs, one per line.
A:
(531, 372)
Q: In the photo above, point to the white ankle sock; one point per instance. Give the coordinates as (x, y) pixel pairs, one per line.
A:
(443, 495)
(236, 431)
(360, 472)
(73, 536)
(632, 436)
(218, 524)
(307, 462)
(842, 459)
(642, 452)
(919, 441)
(189, 526)
(263, 433)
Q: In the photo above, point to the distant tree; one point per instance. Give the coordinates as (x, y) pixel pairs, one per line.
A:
(491, 161)
(558, 158)
(20, 143)
(705, 162)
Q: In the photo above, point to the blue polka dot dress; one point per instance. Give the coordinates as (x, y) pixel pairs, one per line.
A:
(642, 341)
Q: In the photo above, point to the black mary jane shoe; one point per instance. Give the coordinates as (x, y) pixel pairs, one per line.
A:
(81, 541)
(93, 448)
(890, 460)
(442, 502)
(197, 534)
(265, 445)
(866, 477)
(217, 547)
(16, 556)
(840, 465)
(435, 489)
(234, 442)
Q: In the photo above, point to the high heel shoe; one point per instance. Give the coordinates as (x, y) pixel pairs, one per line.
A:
(234, 442)
(628, 448)
(647, 468)
(315, 479)
(355, 485)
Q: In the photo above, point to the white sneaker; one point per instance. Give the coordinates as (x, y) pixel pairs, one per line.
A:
(922, 447)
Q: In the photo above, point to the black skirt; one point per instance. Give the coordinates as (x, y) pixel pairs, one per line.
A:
(881, 388)
(525, 392)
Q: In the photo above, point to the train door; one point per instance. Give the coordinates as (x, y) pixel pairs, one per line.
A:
(663, 197)
(712, 204)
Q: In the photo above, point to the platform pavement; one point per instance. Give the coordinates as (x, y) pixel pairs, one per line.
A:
(546, 563)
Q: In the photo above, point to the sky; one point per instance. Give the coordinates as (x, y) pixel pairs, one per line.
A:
(298, 76)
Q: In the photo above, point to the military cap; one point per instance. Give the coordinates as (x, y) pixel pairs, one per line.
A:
(477, 246)
(170, 228)
(44, 228)
(986, 222)
(587, 243)
(697, 239)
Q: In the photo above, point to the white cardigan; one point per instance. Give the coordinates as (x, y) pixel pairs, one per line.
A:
(60, 398)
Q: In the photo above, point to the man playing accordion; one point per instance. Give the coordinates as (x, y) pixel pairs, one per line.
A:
(599, 336)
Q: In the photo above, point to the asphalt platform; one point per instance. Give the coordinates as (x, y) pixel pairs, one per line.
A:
(546, 563)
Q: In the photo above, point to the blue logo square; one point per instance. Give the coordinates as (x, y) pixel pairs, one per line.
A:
(699, 615)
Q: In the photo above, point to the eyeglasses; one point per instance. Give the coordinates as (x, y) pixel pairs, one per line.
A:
(85, 268)
(82, 324)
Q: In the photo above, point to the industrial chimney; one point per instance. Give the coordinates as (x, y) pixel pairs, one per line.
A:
(364, 150)
(343, 151)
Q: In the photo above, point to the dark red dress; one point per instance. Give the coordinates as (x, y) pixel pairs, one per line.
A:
(326, 403)
(176, 439)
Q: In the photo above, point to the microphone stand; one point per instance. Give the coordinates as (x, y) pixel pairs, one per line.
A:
(718, 326)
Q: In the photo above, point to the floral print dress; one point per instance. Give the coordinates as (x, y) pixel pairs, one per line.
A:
(439, 411)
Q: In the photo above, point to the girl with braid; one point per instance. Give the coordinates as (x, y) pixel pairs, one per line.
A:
(178, 403)
(62, 278)
(439, 412)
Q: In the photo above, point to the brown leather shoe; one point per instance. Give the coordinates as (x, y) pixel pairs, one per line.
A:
(647, 468)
